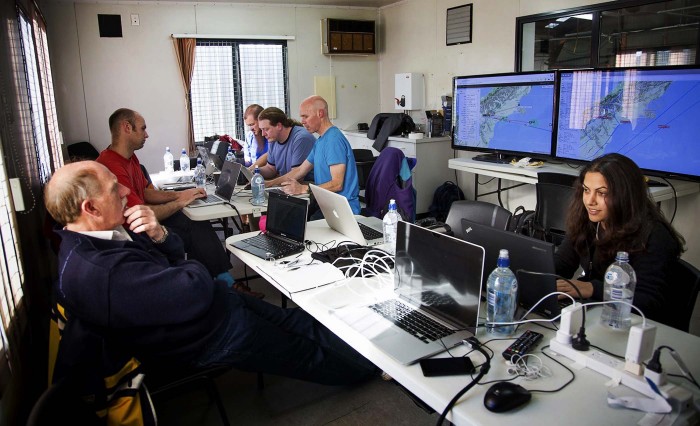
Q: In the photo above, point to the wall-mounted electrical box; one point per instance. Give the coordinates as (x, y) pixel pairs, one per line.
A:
(343, 36)
(408, 91)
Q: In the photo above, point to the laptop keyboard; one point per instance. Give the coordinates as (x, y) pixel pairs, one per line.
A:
(272, 245)
(412, 321)
(369, 233)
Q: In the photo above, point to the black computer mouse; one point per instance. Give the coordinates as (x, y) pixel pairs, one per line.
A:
(505, 396)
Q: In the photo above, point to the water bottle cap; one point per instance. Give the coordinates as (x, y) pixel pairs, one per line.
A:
(183, 151)
(167, 148)
(622, 255)
(392, 204)
(503, 259)
(199, 161)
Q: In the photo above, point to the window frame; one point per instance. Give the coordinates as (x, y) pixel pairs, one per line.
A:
(596, 10)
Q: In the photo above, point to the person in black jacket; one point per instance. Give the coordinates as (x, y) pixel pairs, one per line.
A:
(135, 288)
(612, 211)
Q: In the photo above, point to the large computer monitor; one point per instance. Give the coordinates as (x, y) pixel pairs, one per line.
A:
(651, 115)
(504, 115)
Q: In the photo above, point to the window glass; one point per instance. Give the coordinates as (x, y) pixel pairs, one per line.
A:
(230, 75)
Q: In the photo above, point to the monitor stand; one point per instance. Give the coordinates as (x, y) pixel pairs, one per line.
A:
(495, 158)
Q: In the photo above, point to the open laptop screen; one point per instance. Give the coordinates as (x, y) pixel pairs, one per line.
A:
(440, 273)
(525, 253)
(286, 216)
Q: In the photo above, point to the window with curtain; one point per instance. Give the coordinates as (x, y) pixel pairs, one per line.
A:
(228, 76)
(35, 126)
(36, 110)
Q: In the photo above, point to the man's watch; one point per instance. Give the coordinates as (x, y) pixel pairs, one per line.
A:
(165, 235)
(308, 189)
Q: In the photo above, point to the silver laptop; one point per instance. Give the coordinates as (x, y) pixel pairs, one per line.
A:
(247, 174)
(437, 277)
(224, 188)
(367, 231)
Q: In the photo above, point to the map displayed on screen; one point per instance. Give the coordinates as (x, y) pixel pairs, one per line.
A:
(507, 113)
(650, 115)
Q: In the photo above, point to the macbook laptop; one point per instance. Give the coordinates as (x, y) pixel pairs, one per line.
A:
(224, 188)
(286, 226)
(437, 281)
(367, 231)
(525, 253)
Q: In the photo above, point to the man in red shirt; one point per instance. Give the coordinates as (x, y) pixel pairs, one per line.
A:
(128, 129)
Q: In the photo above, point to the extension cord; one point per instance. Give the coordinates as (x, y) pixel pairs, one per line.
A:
(607, 366)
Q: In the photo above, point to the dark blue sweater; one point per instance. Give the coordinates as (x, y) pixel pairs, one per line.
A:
(143, 296)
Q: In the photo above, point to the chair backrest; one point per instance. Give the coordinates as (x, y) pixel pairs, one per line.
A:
(364, 160)
(476, 211)
(683, 286)
(554, 192)
(82, 151)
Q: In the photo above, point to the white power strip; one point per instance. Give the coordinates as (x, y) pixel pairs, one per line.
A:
(606, 365)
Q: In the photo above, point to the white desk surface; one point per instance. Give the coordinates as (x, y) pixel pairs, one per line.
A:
(529, 175)
(583, 402)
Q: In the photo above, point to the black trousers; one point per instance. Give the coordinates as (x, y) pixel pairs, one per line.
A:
(201, 242)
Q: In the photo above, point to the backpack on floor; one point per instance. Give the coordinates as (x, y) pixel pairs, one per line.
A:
(444, 195)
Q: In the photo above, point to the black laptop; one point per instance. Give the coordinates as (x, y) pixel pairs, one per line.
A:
(525, 253)
(286, 225)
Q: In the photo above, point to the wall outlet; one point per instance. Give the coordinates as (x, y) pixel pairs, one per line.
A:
(135, 19)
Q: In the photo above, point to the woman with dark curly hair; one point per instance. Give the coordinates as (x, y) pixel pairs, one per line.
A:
(612, 211)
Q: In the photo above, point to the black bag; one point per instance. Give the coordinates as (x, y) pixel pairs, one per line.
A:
(444, 195)
(522, 221)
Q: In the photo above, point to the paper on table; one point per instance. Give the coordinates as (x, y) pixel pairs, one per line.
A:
(304, 278)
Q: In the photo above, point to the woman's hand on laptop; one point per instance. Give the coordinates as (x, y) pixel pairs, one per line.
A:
(584, 287)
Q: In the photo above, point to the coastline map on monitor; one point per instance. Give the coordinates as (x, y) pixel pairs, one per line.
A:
(650, 115)
(506, 112)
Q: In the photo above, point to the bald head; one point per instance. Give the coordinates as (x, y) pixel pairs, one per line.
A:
(317, 103)
(70, 186)
(314, 115)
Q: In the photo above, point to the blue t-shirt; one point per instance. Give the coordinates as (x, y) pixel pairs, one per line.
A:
(330, 149)
(293, 152)
(250, 150)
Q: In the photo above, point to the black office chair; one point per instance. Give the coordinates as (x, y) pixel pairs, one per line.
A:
(477, 211)
(82, 151)
(683, 286)
(364, 160)
(554, 191)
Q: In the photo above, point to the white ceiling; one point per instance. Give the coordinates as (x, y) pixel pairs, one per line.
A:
(356, 3)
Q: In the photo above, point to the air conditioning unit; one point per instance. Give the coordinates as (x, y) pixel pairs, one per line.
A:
(347, 37)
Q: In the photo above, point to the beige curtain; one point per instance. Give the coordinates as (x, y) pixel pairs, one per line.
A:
(184, 49)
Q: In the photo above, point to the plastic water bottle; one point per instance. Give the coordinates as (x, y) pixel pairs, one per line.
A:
(257, 184)
(390, 222)
(184, 161)
(620, 281)
(168, 160)
(200, 174)
(501, 295)
(230, 155)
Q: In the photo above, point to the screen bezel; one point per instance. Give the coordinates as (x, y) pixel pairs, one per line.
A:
(498, 151)
(667, 174)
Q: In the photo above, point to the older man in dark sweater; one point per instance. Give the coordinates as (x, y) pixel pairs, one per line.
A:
(135, 286)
